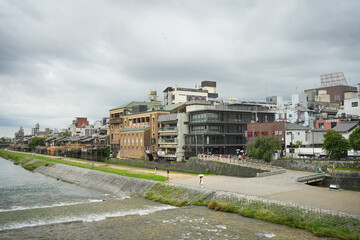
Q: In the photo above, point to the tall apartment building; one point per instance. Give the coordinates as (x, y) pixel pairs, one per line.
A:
(172, 130)
(204, 91)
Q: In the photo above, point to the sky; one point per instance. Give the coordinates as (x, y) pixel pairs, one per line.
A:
(65, 59)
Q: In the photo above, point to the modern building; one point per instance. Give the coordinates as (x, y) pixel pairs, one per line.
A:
(220, 128)
(203, 92)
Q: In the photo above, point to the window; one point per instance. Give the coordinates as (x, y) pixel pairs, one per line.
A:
(321, 125)
(354, 104)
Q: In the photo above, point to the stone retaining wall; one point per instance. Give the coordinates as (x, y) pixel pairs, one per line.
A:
(194, 166)
(310, 165)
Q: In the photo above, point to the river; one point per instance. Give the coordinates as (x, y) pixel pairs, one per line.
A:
(33, 206)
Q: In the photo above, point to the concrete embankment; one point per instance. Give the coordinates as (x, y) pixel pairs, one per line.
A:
(97, 180)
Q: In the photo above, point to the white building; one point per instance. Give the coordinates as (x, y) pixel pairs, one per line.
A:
(171, 139)
(351, 105)
(311, 140)
(204, 91)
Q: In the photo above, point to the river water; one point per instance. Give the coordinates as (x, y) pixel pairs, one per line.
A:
(33, 206)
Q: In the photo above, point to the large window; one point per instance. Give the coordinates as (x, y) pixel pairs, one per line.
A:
(354, 104)
(200, 117)
(213, 116)
(201, 128)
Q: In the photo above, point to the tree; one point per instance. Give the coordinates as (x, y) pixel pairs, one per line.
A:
(263, 147)
(66, 134)
(335, 144)
(354, 139)
(38, 141)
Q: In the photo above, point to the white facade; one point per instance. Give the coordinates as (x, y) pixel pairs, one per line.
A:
(204, 91)
(351, 107)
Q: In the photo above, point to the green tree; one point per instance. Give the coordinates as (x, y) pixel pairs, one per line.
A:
(106, 152)
(66, 134)
(38, 141)
(335, 145)
(354, 139)
(263, 148)
(297, 144)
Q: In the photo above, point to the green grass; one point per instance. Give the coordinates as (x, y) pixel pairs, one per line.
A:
(347, 169)
(19, 156)
(317, 224)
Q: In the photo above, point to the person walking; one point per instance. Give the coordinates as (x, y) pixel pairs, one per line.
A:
(243, 157)
(201, 181)
(155, 169)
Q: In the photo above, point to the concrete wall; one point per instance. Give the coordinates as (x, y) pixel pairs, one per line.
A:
(101, 181)
(194, 166)
(309, 165)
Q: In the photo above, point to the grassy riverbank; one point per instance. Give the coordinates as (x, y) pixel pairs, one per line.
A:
(319, 222)
(17, 157)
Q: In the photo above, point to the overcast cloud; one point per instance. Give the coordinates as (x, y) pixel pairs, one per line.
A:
(63, 59)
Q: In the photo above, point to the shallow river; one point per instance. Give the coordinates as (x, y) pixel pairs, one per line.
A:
(33, 206)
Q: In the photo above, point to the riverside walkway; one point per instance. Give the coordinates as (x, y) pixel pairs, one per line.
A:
(283, 187)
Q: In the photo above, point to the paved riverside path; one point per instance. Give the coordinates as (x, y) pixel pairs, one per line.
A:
(284, 187)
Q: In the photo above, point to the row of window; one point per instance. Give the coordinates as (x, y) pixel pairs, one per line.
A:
(255, 134)
(218, 129)
(208, 140)
(131, 148)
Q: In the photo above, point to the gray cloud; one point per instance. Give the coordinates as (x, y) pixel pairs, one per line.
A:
(59, 60)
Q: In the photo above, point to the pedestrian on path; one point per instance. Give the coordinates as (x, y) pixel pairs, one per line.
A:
(201, 181)
(155, 169)
(243, 157)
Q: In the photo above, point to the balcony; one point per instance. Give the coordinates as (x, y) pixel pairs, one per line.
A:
(168, 129)
(115, 120)
(168, 141)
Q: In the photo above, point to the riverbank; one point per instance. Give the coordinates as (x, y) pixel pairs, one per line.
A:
(186, 192)
(319, 221)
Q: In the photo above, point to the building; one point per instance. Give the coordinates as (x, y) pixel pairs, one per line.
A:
(19, 136)
(332, 90)
(35, 129)
(328, 124)
(139, 135)
(220, 128)
(276, 129)
(171, 140)
(303, 141)
(203, 92)
(117, 121)
(346, 128)
(80, 122)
